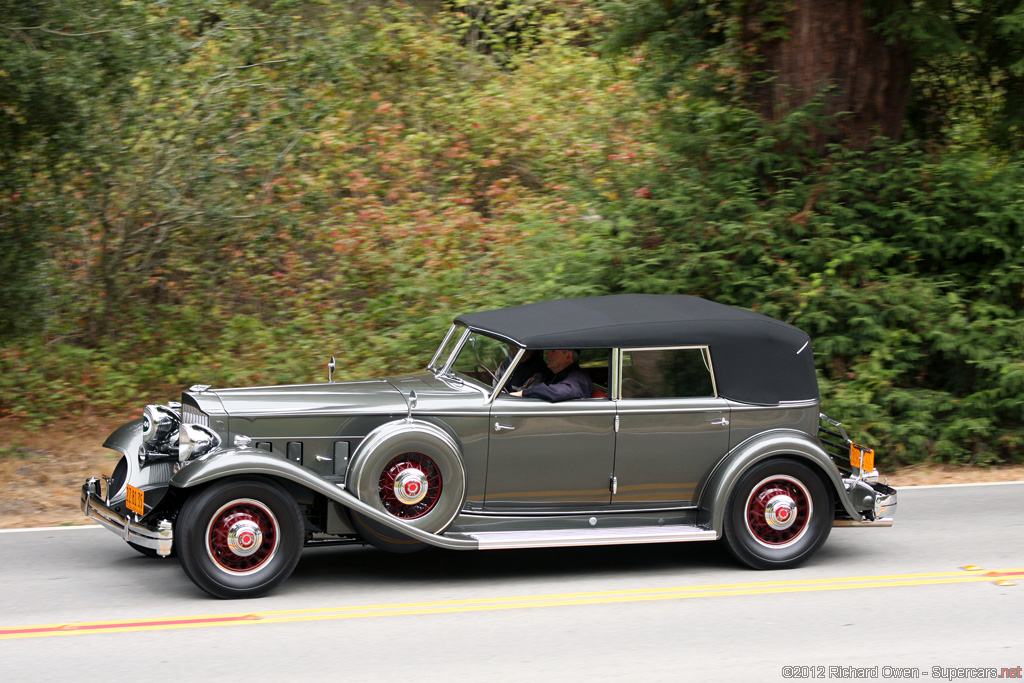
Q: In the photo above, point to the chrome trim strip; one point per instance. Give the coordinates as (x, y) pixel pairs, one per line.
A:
(161, 539)
(504, 378)
(635, 409)
(807, 403)
(885, 521)
(455, 352)
(604, 409)
(433, 359)
(495, 540)
(303, 438)
(615, 376)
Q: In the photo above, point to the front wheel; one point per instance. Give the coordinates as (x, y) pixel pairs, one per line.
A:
(239, 538)
(779, 514)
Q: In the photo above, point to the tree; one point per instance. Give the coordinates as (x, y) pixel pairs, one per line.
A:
(829, 49)
(863, 63)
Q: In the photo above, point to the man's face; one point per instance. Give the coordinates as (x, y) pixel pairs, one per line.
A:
(558, 359)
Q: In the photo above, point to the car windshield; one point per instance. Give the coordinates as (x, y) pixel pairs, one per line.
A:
(444, 352)
(480, 358)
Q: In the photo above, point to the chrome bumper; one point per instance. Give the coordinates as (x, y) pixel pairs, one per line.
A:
(160, 539)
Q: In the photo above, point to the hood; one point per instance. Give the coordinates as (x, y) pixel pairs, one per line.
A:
(368, 397)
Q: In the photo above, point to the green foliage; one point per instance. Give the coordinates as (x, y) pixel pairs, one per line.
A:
(269, 188)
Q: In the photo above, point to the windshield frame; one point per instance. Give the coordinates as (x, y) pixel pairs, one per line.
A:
(486, 388)
(440, 366)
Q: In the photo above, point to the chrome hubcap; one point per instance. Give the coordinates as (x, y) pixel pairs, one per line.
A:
(244, 538)
(411, 486)
(780, 512)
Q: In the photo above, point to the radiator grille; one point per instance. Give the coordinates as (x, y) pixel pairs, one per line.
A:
(193, 415)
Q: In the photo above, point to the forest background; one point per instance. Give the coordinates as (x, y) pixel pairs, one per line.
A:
(228, 192)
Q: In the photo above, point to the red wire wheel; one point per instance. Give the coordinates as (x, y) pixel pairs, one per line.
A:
(778, 511)
(410, 485)
(243, 536)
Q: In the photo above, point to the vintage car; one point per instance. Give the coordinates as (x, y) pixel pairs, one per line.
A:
(703, 424)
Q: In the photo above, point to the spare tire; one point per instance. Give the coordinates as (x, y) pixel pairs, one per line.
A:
(411, 470)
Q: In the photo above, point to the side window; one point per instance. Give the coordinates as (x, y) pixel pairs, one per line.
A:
(667, 373)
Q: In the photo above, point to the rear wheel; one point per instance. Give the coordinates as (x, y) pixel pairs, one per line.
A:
(778, 515)
(239, 538)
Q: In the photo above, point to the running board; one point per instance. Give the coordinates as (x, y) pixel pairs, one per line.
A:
(495, 540)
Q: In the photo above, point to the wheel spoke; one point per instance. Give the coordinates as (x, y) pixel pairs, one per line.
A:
(243, 536)
(409, 485)
(778, 511)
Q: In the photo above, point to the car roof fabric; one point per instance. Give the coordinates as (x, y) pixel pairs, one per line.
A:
(756, 359)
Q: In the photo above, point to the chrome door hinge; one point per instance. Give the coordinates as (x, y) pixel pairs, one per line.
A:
(616, 424)
(613, 485)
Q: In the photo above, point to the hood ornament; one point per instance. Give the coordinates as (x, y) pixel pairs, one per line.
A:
(330, 371)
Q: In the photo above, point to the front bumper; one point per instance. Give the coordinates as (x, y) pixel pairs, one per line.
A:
(160, 539)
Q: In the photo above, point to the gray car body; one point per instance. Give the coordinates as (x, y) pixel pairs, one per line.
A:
(550, 472)
(704, 423)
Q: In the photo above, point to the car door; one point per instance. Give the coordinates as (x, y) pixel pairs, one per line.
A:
(672, 426)
(550, 457)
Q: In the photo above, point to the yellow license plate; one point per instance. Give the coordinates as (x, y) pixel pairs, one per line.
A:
(136, 500)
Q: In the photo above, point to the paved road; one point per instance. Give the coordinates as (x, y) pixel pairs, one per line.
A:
(871, 599)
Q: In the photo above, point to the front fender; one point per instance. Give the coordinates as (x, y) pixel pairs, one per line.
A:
(233, 462)
(126, 439)
(781, 443)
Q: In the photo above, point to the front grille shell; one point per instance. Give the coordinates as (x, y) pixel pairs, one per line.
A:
(193, 415)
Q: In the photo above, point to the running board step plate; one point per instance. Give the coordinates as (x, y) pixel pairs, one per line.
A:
(495, 540)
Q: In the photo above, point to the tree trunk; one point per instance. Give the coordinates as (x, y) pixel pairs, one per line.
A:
(831, 49)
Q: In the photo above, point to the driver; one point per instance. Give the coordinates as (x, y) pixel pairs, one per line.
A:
(531, 370)
(569, 381)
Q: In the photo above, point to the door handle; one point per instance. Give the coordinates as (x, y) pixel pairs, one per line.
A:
(498, 427)
(720, 421)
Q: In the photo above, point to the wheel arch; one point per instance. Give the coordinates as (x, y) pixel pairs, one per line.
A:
(714, 496)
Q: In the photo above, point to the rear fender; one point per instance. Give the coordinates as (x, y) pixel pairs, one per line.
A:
(798, 446)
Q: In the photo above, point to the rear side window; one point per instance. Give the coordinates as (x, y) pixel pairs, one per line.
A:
(667, 373)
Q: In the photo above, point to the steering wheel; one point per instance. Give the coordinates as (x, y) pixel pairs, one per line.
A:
(494, 378)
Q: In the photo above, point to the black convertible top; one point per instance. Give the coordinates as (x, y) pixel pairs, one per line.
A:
(756, 359)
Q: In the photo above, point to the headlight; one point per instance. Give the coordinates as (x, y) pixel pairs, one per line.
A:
(158, 422)
(195, 440)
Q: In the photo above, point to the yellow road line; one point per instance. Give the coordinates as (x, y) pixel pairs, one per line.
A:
(506, 603)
